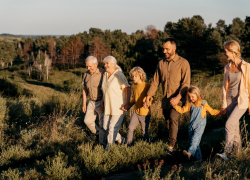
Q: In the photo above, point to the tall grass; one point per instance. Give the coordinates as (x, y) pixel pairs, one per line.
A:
(44, 137)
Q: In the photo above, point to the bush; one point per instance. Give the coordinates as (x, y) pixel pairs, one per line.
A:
(13, 153)
(56, 168)
(97, 162)
(11, 174)
(10, 88)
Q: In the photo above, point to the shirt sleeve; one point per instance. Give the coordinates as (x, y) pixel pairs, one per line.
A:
(155, 82)
(185, 78)
(183, 109)
(122, 80)
(211, 110)
(83, 79)
(224, 89)
(248, 73)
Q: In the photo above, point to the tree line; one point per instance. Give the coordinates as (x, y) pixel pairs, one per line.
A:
(200, 44)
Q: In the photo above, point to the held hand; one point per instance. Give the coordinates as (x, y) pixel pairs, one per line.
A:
(146, 103)
(172, 104)
(84, 108)
(126, 107)
(174, 101)
(223, 111)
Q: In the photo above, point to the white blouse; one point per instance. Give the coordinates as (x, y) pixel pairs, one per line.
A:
(114, 94)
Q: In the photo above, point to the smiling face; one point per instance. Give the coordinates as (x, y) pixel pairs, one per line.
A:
(92, 67)
(193, 97)
(169, 50)
(109, 66)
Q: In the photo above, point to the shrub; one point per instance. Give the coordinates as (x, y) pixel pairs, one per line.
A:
(97, 162)
(10, 88)
(56, 168)
(11, 174)
(14, 153)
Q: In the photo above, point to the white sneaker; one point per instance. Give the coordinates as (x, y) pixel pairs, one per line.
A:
(223, 156)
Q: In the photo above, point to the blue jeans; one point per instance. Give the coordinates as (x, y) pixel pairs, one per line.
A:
(195, 135)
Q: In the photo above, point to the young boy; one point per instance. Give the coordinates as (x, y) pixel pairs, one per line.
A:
(140, 114)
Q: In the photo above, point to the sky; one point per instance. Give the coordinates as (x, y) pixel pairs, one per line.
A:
(67, 17)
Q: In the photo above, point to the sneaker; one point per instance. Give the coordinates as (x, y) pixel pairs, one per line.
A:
(223, 156)
(187, 156)
(170, 152)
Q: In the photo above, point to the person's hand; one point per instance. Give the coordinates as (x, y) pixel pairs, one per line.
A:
(174, 101)
(126, 107)
(223, 111)
(172, 104)
(146, 103)
(84, 107)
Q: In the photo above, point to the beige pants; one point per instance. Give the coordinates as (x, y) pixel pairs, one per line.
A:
(112, 124)
(232, 128)
(93, 109)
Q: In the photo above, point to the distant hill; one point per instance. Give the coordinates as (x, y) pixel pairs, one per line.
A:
(28, 36)
(9, 38)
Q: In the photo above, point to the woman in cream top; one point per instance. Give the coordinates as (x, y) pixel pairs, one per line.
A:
(116, 94)
(235, 95)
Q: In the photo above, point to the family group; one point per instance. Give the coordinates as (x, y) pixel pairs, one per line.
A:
(109, 98)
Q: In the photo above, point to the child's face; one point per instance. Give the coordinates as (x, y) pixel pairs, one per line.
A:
(136, 78)
(193, 97)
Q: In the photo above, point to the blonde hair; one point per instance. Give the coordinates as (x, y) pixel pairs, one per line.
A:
(138, 70)
(195, 90)
(112, 60)
(233, 46)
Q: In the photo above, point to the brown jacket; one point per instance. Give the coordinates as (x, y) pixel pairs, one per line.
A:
(174, 77)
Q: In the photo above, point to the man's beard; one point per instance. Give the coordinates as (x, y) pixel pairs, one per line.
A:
(167, 56)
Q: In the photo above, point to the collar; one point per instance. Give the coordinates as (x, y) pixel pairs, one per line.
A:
(96, 72)
(176, 58)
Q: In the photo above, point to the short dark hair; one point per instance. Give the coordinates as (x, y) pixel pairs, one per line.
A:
(171, 40)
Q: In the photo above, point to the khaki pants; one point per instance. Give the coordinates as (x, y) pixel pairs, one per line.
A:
(111, 125)
(232, 126)
(93, 109)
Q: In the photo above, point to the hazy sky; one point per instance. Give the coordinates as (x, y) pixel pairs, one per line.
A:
(66, 17)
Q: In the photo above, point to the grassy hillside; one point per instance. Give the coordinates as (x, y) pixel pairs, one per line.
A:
(9, 39)
(42, 134)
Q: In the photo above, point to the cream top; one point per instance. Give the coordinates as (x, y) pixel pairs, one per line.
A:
(114, 94)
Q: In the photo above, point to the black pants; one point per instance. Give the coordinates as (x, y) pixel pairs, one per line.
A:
(172, 119)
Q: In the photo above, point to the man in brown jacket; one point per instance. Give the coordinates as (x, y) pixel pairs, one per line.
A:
(173, 72)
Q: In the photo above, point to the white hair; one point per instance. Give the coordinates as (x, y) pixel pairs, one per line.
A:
(92, 59)
(112, 60)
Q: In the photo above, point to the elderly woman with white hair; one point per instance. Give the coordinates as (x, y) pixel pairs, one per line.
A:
(116, 94)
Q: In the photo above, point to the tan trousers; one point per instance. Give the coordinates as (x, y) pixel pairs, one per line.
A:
(93, 109)
(232, 126)
(111, 125)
